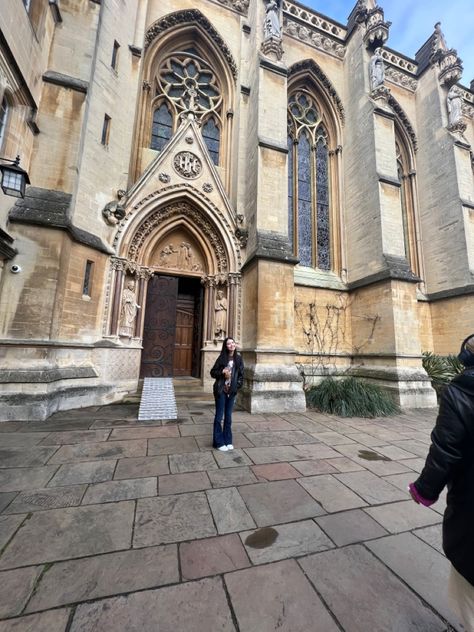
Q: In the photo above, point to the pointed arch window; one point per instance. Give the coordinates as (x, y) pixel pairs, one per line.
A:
(309, 225)
(4, 107)
(406, 176)
(162, 128)
(211, 135)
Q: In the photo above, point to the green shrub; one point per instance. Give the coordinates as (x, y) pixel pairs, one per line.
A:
(441, 369)
(350, 397)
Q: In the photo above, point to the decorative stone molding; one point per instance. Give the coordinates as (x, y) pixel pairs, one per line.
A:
(145, 273)
(187, 164)
(400, 78)
(314, 20)
(164, 177)
(449, 64)
(272, 47)
(377, 29)
(241, 6)
(314, 38)
(207, 187)
(192, 16)
(396, 107)
(152, 222)
(400, 62)
(242, 235)
(309, 65)
(380, 93)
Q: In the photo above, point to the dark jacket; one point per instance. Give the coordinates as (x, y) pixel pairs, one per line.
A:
(237, 375)
(451, 462)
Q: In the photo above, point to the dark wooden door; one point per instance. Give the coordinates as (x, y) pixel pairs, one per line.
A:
(183, 346)
(159, 330)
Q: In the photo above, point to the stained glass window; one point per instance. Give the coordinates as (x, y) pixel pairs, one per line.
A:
(309, 220)
(162, 128)
(3, 120)
(211, 136)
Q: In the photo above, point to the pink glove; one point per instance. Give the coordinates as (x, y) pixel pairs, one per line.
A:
(418, 498)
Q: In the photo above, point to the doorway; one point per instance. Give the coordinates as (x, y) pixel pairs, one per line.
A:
(172, 332)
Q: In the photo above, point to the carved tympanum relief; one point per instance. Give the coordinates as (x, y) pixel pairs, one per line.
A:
(178, 251)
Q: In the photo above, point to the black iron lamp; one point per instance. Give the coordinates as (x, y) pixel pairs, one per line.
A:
(14, 178)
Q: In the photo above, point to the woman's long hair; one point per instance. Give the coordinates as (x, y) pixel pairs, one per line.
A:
(224, 354)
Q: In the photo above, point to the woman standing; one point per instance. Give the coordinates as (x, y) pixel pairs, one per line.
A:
(228, 372)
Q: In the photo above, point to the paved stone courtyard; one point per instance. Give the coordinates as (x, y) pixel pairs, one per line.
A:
(108, 523)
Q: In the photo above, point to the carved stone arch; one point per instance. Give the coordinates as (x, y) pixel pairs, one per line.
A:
(160, 220)
(325, 90)
(403, 125)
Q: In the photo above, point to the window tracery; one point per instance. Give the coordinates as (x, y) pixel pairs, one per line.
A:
(308, 182)
(406, 176)
(185, 82)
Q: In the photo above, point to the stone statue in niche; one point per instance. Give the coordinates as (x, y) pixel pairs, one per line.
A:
(128, 312)
(272, 26)
(220, 327)
(454, 103)
(376, 69)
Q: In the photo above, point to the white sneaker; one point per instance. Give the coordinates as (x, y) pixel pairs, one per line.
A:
(223, 448)
(230, 446)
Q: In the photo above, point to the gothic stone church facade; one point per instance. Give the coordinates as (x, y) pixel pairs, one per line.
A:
(248, 168)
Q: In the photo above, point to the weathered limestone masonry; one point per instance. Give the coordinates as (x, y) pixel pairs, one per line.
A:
(248, 168)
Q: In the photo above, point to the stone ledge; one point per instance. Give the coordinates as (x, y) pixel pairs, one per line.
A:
(272, 246)
(46, 376)
(65, 81)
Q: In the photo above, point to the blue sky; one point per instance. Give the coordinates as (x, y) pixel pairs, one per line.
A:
(413, 22)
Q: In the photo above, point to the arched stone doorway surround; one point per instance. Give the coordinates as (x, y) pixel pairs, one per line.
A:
(178, 231)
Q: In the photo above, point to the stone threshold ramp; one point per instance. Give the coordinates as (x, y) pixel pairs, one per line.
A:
(158, 400)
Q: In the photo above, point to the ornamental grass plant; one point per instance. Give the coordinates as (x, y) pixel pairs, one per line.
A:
(350, 397)
(441, 369)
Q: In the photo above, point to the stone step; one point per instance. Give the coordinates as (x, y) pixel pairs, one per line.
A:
(157, 400)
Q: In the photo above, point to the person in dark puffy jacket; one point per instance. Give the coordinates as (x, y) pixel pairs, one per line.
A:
(228, 372)
(450, 462)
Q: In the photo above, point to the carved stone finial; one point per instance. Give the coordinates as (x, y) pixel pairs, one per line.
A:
(377, 29)
(449, 63)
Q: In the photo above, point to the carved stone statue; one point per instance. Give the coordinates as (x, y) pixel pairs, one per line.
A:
(376, 70)
(129, 309)
(272, 26)
(454, 103)
(220, 326)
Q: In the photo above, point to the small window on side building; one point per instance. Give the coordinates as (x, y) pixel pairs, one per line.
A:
(115, 55)
(87, 285)
(106, 130)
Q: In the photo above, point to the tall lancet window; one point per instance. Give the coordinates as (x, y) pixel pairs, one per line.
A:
(308, 183)
(162, 128)
(406, 175)
(211, 136)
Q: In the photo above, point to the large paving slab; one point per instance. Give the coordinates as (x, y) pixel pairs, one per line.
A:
(144, 433)
(172, 519)
(15, 589)
(75, 436)
(102, 450)
(420, 566)
(105, 575)
(22, 439)
(192, 462)
(349, 527)
(25, 457)
(142, 467)
(212, 556)
(172, 445)
(8, 526)
(47, 498)
(270, 544)
(232, 476)
(282, 437)
(61, 534)
(16, 479)
(181, 483)
(403, 516)
(85, 472)
(232, 458)
(5, 499)
(127, 489)
(371, 488)
(229, 510)
(364, 595)
(279, 501)
(52, 621)
(277, 597)
(330, 493)
(199, 606)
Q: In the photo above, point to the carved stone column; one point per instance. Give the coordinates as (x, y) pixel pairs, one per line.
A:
(209, 283)
(118, 268)
(233, 298)
(143, 275)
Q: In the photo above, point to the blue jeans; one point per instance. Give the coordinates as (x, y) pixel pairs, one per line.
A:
(224, 405)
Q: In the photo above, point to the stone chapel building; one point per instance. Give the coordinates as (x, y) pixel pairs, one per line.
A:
(228, 167)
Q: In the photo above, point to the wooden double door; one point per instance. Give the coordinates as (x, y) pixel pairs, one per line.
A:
(172, 328)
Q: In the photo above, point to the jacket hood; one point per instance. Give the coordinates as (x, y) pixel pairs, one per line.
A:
(465, 382)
